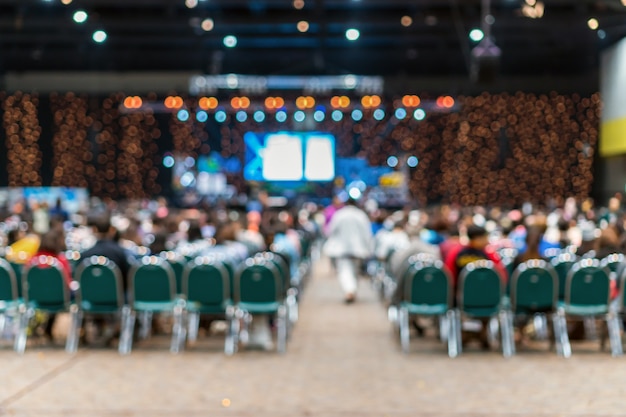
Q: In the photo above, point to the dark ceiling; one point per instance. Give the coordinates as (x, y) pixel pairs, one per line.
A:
(165, 35)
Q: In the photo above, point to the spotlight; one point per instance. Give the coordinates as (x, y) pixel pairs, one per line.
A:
(299, 116)
(337, 115)
(99, 36)
(281, 116)
(168, 161)
(182, 115)
(400, 113)
(207, 25)
(352, 34)
(419, 114)
(319, 116)
(220, 116)
(241, 116)
(412, 161)
(379, 114)
(476, 35)
(392, 161)
(303, 26)
(80, 16)
(230, 41)
(593, 23)
(357, 115)
(202, 116)
(259, 116)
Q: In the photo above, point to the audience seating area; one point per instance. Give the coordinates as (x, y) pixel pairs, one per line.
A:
(183, 287)
(552, 295)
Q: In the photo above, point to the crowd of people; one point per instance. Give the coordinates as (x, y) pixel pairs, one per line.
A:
(354, 235)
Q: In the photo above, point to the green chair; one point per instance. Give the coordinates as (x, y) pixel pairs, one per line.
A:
(614, 263)
(45, 289)
(534, 292)
(479, 296)
(177, 262)
(9, 299)
(290, 291)
(587, 296)
(153, 290)
(101, 292)
(259, 289)
(562, 265)
(206, 286)
(428, 291)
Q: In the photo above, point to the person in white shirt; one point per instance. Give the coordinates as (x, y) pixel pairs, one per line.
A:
(349, 242)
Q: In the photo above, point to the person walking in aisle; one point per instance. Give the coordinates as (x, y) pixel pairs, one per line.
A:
(349, 243)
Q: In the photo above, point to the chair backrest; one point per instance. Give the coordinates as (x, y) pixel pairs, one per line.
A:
(552, 253)
(480, 287)
(258, 281)
(44, 283)
(562, 265)
(178, 263)
(282, 266)
(613, 262)
(428, 282)
(534, 287)
(588, 284)
(17, 270)
(100, 284)
(206, 281)
(152, 280)
(8, 282)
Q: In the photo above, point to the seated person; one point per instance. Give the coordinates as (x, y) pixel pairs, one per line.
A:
(475, 250)
(106, 246)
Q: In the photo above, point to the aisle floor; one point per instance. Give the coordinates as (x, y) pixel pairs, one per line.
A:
(342, 361)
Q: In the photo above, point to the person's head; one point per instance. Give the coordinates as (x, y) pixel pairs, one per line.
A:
(478, 237)
(51, 242)
(159, 244)
(533, 238)
(102, 226)
(194, 232)
(14, 235)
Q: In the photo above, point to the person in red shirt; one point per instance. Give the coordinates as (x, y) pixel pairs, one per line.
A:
(52, 245)
(475, 250)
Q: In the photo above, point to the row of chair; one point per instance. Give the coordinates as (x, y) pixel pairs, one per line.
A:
(209, 286)
(534, 291)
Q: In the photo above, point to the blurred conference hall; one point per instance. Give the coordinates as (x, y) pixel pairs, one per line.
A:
(323, 208)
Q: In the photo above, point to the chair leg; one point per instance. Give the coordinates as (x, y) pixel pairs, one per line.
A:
(193, 324)
(444, 325)
(453, 342)
(492, 330)
(231, 339)
(281, 329)
(178, 330)
(127, 329)
(292, 303)
(615, 338)
(405, 337)
(591, 331)
(540, 322)
(246, 319)
(76, 319)
(3, 323)
(563, 337)
(508, 340)
(145, 320)
(24, 315)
